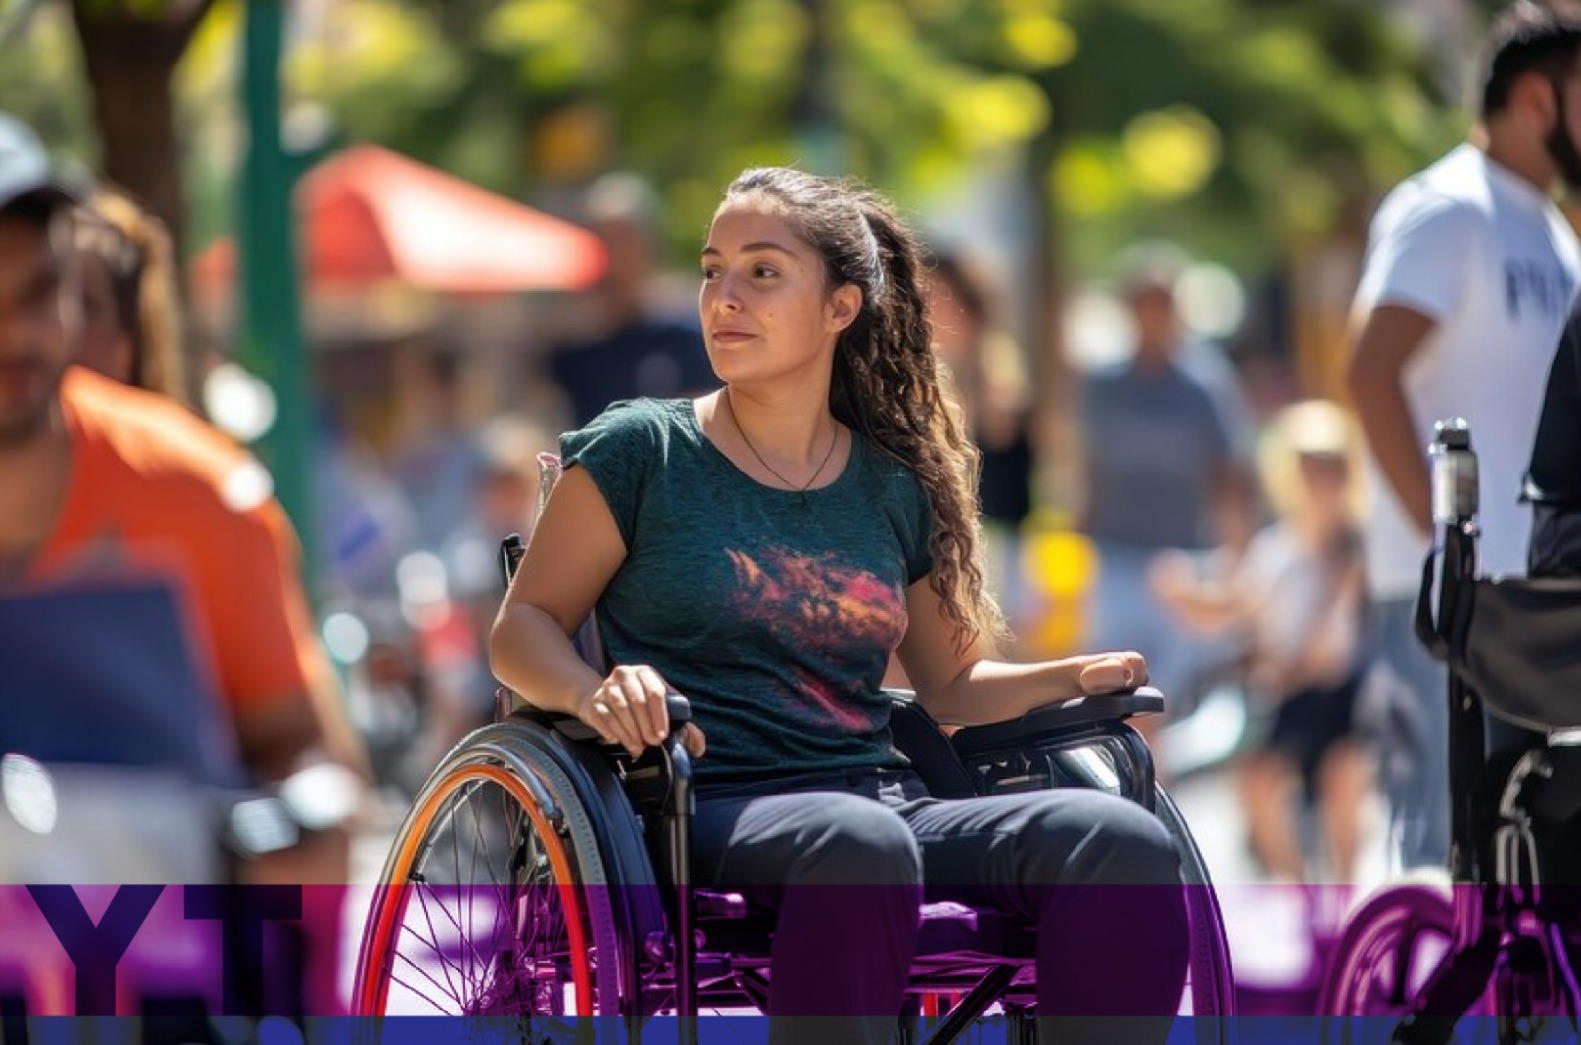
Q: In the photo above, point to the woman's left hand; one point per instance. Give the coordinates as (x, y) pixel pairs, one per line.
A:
(1109, 672)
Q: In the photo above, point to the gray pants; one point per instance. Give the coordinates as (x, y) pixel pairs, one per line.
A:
(845, 859)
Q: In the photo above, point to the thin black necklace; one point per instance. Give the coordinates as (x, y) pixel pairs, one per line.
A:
(800, 491)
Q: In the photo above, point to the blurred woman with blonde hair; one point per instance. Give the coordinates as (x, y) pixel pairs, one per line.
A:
(131, 328)
(1297, 594)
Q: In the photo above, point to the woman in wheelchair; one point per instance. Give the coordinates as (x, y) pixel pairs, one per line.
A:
(763, 550)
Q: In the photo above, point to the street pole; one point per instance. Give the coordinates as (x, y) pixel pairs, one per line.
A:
(272, 345)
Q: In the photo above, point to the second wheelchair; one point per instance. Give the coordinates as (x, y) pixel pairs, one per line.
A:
(1497, 951)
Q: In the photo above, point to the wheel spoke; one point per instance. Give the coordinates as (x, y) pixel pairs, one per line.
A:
(422, 900)
(460, 1005)
(535, 955)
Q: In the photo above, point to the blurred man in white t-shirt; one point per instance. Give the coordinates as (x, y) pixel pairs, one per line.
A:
(1469, 275)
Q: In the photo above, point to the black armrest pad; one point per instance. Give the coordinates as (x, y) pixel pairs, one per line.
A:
(1052, 720)
(573, 728)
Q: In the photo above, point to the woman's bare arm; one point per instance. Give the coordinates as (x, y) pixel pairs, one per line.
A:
(963, 684)
(573, 553)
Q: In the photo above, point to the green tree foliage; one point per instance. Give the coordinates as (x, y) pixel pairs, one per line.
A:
(1232, 124)
(1237, 124)
(524, 92)
(1229, 123)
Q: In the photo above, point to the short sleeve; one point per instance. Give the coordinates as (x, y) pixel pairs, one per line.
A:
(619, 449)
(915, 526)
(1416, 255)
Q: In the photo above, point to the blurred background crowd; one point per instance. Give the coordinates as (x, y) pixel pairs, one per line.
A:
(410, 241)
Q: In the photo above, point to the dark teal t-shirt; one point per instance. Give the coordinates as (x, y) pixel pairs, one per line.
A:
(775, 612)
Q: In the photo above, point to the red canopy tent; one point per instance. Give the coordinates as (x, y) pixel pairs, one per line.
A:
(370, 216)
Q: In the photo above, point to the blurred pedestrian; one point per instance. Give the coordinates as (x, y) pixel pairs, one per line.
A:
(1297, 592)
(637, 351)
(503, 501)
(988, 378)
(1469, 274)
(1163, 469)
(435, 455)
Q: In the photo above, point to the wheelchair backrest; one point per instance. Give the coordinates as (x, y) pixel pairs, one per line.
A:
(1519, 649)
(586, 640)
(1514, 641)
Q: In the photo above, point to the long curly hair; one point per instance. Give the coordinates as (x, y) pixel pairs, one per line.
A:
(135, 249)
(886, 382)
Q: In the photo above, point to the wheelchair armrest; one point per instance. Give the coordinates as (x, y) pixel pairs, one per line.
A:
(573, 728)
(1058, 722)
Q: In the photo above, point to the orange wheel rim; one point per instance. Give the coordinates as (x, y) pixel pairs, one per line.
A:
(391, 902)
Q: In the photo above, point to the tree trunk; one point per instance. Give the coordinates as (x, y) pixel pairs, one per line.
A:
(1057, 433)
(130, 61)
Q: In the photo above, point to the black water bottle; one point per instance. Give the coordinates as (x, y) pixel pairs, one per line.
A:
(1454, 472)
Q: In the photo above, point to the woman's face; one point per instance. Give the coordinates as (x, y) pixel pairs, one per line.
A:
(765, 309)
(103, 343)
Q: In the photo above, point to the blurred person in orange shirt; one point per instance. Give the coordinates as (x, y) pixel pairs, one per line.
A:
(98, 479)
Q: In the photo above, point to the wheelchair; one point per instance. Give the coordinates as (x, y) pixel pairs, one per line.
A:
(542, 877)
(1500, 944)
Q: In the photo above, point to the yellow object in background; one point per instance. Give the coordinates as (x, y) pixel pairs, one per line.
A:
(1060, 567)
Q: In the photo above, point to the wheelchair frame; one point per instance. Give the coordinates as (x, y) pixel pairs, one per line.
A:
(1501, 937)
(558, 773)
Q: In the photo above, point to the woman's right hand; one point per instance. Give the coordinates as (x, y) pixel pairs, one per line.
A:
(628, 709)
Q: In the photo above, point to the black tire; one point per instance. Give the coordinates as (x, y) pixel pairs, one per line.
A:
(1211, 978)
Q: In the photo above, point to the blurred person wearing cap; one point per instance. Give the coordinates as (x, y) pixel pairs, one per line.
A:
(99, 480)
(1164, 437)
(1469, 273)
(1297, 593)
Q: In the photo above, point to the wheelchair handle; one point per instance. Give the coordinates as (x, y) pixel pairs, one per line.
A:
(676, 706)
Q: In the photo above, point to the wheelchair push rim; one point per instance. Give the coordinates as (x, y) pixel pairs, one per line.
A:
(542, 924)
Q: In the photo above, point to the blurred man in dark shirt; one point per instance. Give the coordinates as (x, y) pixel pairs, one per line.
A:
(638, 354)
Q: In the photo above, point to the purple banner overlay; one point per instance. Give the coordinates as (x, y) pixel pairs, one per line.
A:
(443, 962)
(663, 1030)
